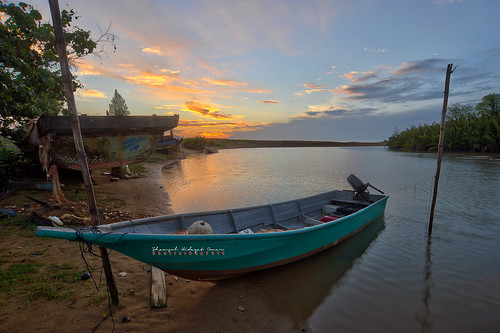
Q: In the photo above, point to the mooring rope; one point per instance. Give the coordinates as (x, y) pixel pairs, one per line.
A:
(86, 247)
(409, 186)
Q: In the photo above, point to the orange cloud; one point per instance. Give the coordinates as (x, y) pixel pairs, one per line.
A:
(258, 91)
(312, 87)
(347, 90)
(92, 93)
(224, 82)
(164, 70)
(215, 135)
(88, 69)
(153, 49)
(351, 75)
(169, 81)
(149, 78)
(358, 77)
(205, 109)
(213, 129)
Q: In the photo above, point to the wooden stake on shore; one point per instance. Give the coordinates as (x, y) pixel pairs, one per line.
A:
(449, 70)
(158, 294)
(77, 137)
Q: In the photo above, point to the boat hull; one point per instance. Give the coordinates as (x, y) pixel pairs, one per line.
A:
(109, 141)
(219, 256)
(104, 152)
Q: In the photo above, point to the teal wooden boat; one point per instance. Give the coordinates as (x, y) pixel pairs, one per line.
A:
(243, 240)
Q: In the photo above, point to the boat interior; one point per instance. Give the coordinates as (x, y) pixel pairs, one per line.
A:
(289, 215)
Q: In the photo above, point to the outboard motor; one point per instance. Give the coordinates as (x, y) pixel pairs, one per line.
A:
(360, 188)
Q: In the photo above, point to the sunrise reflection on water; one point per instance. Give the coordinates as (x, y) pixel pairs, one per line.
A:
(391, 276)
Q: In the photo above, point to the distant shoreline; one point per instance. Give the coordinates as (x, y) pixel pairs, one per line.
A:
(233, 143)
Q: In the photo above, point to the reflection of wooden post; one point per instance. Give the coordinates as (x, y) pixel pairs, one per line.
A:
(158, 288)
(77, 137)
(449, 70)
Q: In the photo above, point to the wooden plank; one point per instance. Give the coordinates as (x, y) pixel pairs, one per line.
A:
(158, 288)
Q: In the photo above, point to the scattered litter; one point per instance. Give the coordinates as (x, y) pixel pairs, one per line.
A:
(55, 221)
(246, 231)
(85, 276)
(125, 319)
(241, 308)
(43, 203)
(7, 212)
(122, 274)
(72, 216)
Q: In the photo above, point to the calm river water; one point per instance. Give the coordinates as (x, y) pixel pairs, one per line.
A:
(389, 278)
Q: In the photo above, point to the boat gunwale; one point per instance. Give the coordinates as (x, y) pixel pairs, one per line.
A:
(214, 237)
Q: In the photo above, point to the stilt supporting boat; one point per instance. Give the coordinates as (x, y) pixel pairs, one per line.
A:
(158, 288)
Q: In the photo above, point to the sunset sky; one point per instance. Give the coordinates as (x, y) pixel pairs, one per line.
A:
(304, 70)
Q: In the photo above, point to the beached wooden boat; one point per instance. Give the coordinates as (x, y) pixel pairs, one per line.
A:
(169, 141)
(243, 240)
(109, 141)
(211, 150)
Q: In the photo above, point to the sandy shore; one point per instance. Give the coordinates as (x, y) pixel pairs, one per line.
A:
(236, 305)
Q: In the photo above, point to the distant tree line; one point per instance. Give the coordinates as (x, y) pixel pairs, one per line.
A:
(468, 129)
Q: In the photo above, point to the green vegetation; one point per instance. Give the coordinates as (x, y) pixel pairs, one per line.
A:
(468, 129)
(29, 68)
(118, 107)
(157, 157)
(13, 164)
(36, 280)
(197, 143)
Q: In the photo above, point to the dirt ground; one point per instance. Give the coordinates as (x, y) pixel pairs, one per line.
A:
(235, 305)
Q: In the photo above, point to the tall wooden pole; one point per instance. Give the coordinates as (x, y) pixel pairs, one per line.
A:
(77, 138)
(449, 70)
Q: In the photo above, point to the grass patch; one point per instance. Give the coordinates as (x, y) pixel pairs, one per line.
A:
(16, 274)
(97, 298)
(34, 280)
(138, 168)
(197, 143)
(156, 157)
(18, 220)
(65, 272)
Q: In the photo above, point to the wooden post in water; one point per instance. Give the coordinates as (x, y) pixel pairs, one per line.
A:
(77, 137)
(449, 70)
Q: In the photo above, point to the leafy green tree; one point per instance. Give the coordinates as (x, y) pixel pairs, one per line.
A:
(489, 105)
(118, 107)
(467, 129)
(30, 74)
(460, 111)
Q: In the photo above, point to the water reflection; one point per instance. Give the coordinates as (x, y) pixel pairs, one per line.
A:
(308, 282)
(297, 289)
(423, 314)
(391, 287)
